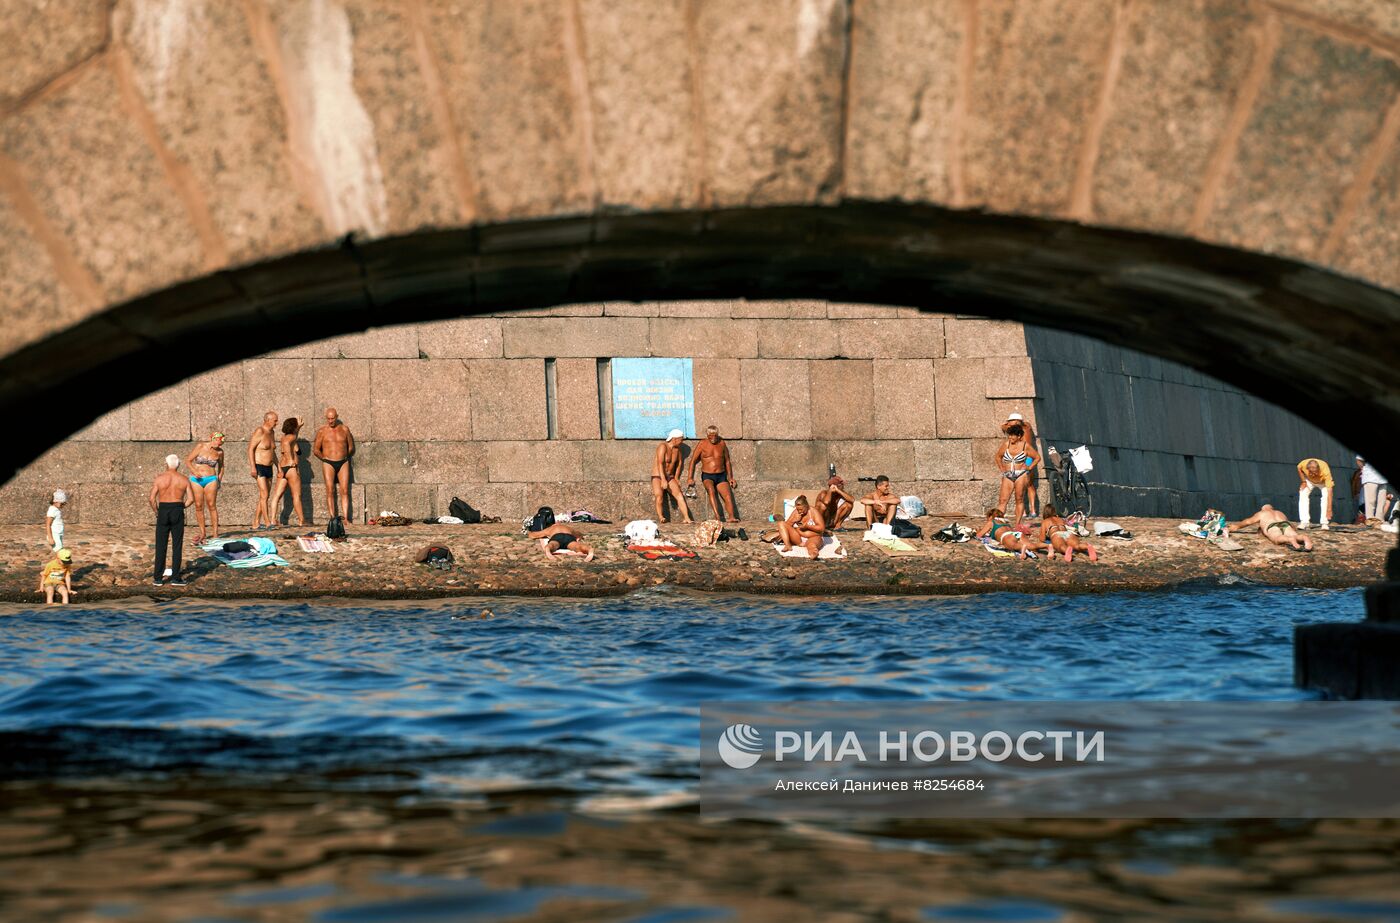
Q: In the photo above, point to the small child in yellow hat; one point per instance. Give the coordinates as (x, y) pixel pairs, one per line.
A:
(57, 575)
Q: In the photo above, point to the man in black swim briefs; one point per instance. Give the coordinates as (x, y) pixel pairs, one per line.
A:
(333, 445)
(261, 455)
(562, 537)
(717, 472)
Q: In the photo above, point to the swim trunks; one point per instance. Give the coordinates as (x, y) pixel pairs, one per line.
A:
(264, 471)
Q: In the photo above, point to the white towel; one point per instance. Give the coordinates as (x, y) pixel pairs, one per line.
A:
(831, 548)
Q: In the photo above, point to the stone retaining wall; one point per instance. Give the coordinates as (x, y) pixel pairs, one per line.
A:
(458, 408)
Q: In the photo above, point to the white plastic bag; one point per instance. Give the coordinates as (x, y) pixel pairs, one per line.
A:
(911, 506)
(641, 531)
(1082, 459)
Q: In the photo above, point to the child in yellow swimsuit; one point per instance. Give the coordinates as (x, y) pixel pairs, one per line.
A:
(57, 575)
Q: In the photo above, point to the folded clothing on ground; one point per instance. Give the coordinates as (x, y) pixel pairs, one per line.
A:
(894, 547)
(259, 553)
(315, 543)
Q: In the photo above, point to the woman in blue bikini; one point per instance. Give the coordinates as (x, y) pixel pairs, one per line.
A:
(1004, 534)
(206, 471)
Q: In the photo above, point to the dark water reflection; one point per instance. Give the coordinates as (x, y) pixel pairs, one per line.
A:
(342, 763)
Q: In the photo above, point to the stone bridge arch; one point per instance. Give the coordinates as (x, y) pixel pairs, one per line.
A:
(1212, 181)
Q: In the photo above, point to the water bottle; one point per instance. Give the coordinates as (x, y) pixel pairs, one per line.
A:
(831, 469)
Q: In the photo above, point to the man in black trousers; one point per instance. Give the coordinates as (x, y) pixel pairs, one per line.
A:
(170, 494)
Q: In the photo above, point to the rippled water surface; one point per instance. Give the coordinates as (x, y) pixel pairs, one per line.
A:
(423, 737)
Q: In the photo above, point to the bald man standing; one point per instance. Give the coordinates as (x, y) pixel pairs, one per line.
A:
(170, 494)
(261, 455)
(334, 444)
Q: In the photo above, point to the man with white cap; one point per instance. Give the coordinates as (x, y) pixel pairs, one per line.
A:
(665, 476)
(170, 494)
(53, 523)
(1016, 419)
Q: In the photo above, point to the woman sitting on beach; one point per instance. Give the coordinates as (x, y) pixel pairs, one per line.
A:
(790, 529)
(1056, 533)
(1000, 531)
(560, 538)
(289, 470)
(206, 464)
(1016, 458)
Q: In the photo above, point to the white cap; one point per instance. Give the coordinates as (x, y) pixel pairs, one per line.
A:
(60, 497)
(674, 434)
(1014, 416)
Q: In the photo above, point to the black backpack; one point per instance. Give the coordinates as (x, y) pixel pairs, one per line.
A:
(543, 519)
(903, 528)
(463, 510)
(335, 528)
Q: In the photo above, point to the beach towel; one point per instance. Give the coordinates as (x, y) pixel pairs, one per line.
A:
(315, 544)
(831, 548)
(895, 547)
(653, 551)
(264, 548)
(995, 548)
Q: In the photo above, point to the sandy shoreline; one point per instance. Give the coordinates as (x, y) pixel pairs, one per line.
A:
(497, 560)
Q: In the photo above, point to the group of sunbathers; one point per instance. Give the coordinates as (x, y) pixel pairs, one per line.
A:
(1054, 535)
(809, 523)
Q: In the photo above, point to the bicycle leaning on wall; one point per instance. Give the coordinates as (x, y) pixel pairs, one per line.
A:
(1067, 483)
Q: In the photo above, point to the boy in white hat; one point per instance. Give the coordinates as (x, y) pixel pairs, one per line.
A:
(53, 522)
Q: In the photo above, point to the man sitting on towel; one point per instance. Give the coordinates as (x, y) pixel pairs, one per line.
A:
(562, 537)
(834, 504)
(881, 504)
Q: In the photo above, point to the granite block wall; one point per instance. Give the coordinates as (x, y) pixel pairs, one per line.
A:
(459, 408)
(1168, 440)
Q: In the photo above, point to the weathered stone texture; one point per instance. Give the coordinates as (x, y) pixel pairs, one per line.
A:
(43, 41)
(776, 398)
(868, 458)
(414, 399)
(968, 339)
(904, 77)
(560, 337)
(36, 302)
(344, 384)
(1182, 66)
(908, 337)
(943, 459)
(66, 145)
(507, 77)
(704, 338)
(508, 399)
(1371, 246)
(960, 395)
(718, 396)
(842, 399)
(416, 160)
(1311, 127)
(450, 462)
(210, 94)
(576, 398)
(1009, 377)
(1027, 109)
(904, 399)
(284, 386)
(515, 462)
(399, 342)
(770, 79)
(162, 416)
(799, 339)
(639, 73)
(620, 460)
(113, 425)
(461, 338)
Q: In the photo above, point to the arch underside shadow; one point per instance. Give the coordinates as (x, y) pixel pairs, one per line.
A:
(1324, 346)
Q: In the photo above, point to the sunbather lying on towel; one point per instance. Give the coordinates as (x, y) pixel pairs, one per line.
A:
(1055, 532)
(560, 539)
(1000, 531)
(1275, 526)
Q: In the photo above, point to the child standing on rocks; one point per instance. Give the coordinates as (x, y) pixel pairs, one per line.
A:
(57, 575)
(53, 522)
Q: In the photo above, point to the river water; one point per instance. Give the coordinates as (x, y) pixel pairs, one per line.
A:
(536, 759)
